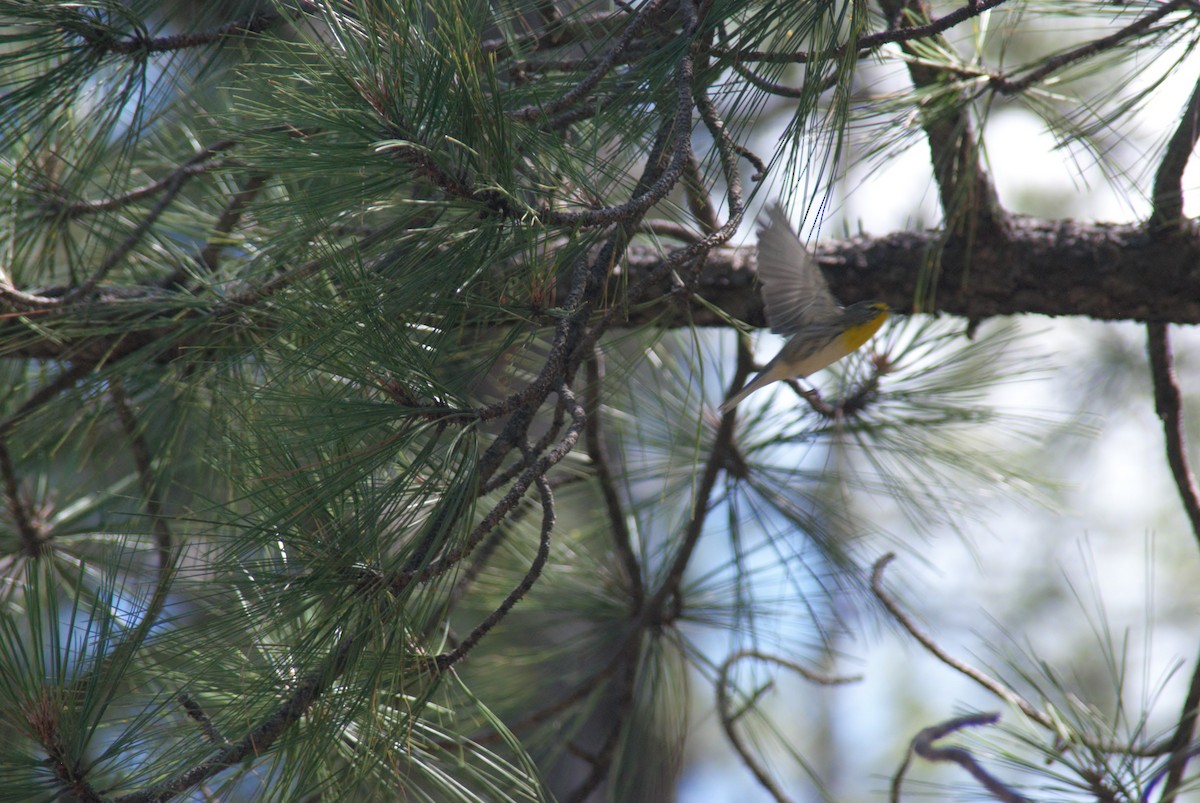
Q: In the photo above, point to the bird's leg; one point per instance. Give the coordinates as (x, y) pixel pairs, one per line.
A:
(813, 397)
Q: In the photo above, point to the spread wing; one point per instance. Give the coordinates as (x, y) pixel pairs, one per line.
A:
(794, 289)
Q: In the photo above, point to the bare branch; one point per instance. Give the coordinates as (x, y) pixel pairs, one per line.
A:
(729, 718)
(989, 683)
(923, 745)
(994, 686)
(1168, 181)
(1168, 404)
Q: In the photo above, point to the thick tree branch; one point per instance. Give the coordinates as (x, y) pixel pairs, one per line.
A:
(1046, 267)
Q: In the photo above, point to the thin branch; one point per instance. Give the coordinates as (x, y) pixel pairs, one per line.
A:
(1168, 181)
(141, 44)
(451, 658)
(260, 738)
(532, 473)
(729, 718)
(923, 746)
(143, 462)
(33, 539)
(588, 280)
(573, 30)
(1168, 404)
(869, 42)
(197, 713)
(589, 82)
(201, 162)
(994, 686)
(65, 380)
(597, 450)
(210, 257)
(1009, 86)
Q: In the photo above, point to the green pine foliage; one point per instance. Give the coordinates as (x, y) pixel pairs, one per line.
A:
(332, 466)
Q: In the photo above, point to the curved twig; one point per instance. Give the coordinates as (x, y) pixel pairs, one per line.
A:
(1005, 693)
(923, 746)
(1169, 406)
(729, 718)
(994, 686)
(1168, 181)
(449, 659)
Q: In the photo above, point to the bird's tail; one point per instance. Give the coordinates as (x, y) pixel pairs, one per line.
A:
(760, 381)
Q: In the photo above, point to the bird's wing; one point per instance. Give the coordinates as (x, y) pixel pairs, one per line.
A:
(794, 289)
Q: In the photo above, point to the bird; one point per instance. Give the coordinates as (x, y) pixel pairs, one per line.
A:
(799, 303)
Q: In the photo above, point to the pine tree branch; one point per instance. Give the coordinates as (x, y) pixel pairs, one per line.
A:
(923, 745)
(258, 739)
(992, 685)
(151, 496)
(597, 450)
(102, 38)
(969, 201)
(868, 42)
(729, 717)
(1168, 181)
(1168, 403)
(1047, 267)
(1012, 86)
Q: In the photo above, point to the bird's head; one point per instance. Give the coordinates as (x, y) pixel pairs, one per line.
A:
(864, 312)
